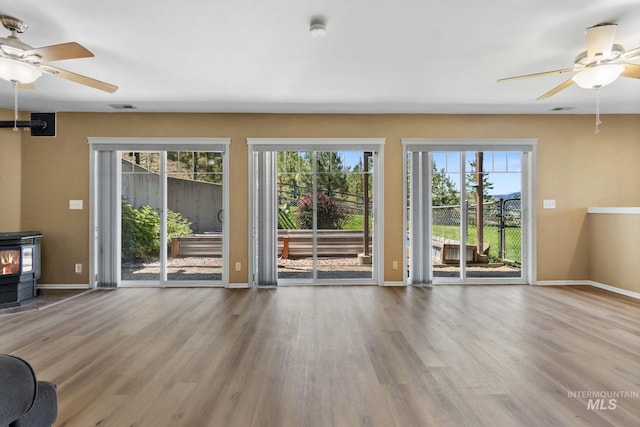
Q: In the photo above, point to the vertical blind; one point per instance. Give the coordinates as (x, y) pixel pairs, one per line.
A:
(266, 219)
(419, 214)
(107, 226)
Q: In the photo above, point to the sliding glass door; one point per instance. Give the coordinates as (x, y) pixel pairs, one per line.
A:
(158, 211)
(172, 213)
(479, 216)
(193, 224)
(315, 223)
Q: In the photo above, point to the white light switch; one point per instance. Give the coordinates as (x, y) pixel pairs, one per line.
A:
(75, 204)
(548, 204)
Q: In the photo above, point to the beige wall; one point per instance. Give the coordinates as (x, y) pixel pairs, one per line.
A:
(575, 167)
(10, 175)
(614, 250)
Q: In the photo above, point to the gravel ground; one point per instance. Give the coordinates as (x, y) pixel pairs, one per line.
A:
(327, 264)
(205, 268)
(187, 268)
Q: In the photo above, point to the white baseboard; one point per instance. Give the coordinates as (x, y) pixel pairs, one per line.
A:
(562, 283)
(237, 286)
(625, 292)
(394, 284)
(63, 286)
(609, 288)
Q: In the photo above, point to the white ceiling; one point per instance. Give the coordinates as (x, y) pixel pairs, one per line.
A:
(378, 56)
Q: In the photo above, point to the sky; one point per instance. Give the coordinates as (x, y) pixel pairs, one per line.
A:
(503, 167)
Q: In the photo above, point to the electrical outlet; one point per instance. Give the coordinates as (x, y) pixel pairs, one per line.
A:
(394, 265)
(238, 266)
(75, 204)
(78, 268)
(548, 204)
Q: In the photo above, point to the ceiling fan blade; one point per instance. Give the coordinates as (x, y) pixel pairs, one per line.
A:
(600, 40)
(58, 52)
(631, 70)
(556, 89)
(27, 86)
(632, 53)
(544, 73)
(78, 78)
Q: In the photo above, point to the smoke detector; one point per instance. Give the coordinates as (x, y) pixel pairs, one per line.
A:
(318, 27)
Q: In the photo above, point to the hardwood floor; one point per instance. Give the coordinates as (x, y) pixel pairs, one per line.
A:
(336, 356)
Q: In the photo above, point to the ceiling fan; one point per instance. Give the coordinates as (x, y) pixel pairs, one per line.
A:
(22, 64)
(601, 64)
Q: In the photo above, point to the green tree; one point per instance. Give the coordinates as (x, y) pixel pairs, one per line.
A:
(195, 165)
(443, 189)
(294, 172)
(472, 183)
(355, 180)
(332, 174)
(444, 192)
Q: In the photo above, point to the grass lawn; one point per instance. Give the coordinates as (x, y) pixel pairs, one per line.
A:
(451, 232)
(356, 222)
(491, 236)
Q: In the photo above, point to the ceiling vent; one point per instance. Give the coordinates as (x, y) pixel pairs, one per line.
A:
(123, 106)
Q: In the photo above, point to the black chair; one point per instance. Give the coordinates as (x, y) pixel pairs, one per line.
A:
(25, 401)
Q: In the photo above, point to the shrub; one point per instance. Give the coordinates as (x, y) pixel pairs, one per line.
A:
(141, 231)
(330, 214)
(177, 226)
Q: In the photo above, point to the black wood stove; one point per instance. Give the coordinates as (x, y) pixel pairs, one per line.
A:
(19, 266)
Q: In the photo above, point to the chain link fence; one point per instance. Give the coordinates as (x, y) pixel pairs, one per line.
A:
(502, 225)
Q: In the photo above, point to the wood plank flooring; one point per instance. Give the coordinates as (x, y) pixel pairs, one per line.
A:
(335, 356)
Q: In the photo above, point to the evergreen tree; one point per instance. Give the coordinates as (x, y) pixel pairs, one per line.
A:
(294, 172)
(472, 183)
(331, 176)
(443, 189)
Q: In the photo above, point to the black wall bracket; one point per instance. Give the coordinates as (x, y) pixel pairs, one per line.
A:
(41, 124)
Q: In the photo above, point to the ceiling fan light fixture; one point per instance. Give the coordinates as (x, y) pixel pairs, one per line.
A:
(599, 76)
(18, 71)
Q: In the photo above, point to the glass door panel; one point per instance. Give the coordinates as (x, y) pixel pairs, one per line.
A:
(478, 215)
(447, 216)
(325, 215)
(494, 215)
(294, 183)
(194, 215)
(344, 217)
(140, 216)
